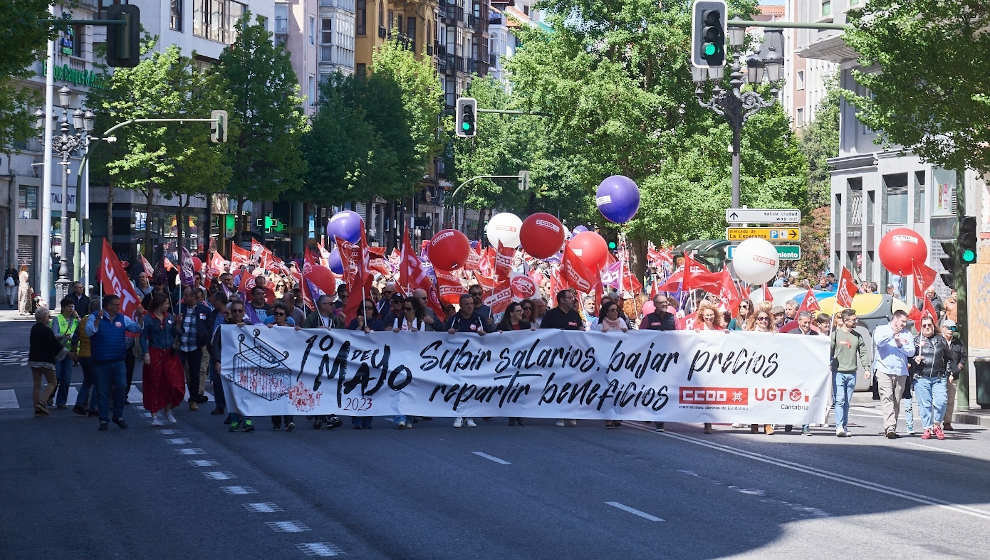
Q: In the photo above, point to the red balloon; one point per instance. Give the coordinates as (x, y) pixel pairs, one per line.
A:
(591, 249)
(541, 235)
(449, 249)
(901, 249)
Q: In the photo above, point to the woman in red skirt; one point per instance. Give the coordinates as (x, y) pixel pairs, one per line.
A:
(164, 381)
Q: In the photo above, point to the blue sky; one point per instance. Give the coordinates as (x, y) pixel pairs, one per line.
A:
(771, 2)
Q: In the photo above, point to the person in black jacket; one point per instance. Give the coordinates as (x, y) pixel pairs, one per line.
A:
(467, 319)
(42, 355)
(957, 362)
(929, 369)
(660, 319)
(564, 316)
(79, 299)
(194, 333)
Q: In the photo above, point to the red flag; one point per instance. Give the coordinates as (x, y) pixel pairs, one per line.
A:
(574, 272)
(246, 284)
(473, 259)
(924, 277)
(218, 265)
(262, 255)
(847, 289)
(728, 293)
(809, 303)
(503, 262)
(150, 270)
(412, 274)
(522, 286)
(930, 309)
(915, 316)
(239, 256)
(354, 258)
(113, 277)
(486, 266)
(767, 296)
(449, 288)
(744, 289)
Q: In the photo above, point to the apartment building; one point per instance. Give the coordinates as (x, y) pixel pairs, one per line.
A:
(805, 79)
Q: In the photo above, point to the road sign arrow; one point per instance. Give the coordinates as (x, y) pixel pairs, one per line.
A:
(734, 215)
(793, 234)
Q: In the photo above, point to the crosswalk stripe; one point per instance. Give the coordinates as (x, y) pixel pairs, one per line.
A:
(8, 399)
(73, 396)
(134, 396)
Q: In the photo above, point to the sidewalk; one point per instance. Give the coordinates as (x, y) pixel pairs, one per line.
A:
(977, 417)
(12, 315)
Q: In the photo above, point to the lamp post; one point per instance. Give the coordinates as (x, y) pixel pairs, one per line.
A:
(73, 136)
(737, 105)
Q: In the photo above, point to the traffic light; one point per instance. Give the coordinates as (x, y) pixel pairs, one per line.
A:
(611, 245)
(708, 28)
(967, 240)
(467, 110)
(124, 40)
(218, 128)
(948, 261)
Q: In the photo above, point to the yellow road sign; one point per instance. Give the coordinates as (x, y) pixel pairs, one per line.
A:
(771, 234)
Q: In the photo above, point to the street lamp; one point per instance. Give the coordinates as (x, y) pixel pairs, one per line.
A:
(737, 105)
(73, 137)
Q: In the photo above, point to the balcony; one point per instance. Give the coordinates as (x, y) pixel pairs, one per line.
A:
(447, 64)
(476, 66)
(440, 50)
(475, 22)
(453, 14)
(326, 54)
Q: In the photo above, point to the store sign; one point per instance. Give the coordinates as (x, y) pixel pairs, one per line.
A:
(77, 77)
(56, 200)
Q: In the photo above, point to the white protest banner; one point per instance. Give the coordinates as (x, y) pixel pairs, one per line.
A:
(640, 375)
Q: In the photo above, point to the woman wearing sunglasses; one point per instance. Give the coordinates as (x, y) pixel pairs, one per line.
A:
(512, 319)
(280, 318)
(929, 368)
(410, 320)
(743, 319)
(763, 322)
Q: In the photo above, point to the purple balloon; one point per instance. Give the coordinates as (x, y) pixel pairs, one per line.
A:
(334, 261)
(578, 230)
(617, 199)
(346, 225)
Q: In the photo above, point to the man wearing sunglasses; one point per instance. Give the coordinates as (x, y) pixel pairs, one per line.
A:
(957, 361)
(235, 316)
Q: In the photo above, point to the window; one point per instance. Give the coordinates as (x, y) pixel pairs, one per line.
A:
(361, 70)
(411, 32)
(27, 202)
(312, 90)
(216, 19)
(799, 117)
(919, 196)
(361, 17)
(800, 79)
(381, 14)
(312, 30)
(895, 205)
(71, 43)
(391, 22)
(175, 17)
(826, 8)
(326, 31)
(281, 24)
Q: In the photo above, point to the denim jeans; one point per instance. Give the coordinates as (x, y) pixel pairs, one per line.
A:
(86, 398)
(845, 384)
(111, 375)
(63, 373)
(932, 399)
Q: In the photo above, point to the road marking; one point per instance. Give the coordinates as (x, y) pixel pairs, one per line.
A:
(859, 483)
(202, 463)
(321, 549)
(179, 441)
(72, 396)
(191, 451)
(287, 526)
(239, 490)
(634, 511)
(218, 475)
(491, 458)
(262, 507)
(8, 399)
(135, 397)
(930, 448)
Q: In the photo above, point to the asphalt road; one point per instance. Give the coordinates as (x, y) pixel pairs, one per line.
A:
(194, 490)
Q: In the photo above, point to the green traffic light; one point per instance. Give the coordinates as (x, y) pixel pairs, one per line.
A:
(709, 49)
(611, 244)
(466, 126)
(968, 256)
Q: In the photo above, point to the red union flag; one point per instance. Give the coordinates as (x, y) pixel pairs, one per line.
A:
(924, 276)
(412, 274)
(448, 286)
(522, 286)
(729, 293)
(500, 298)
(239, 256)
(503, 262)
(847, 289)
(574, 272)
(113, 277)
(809, 303)
(218, 265)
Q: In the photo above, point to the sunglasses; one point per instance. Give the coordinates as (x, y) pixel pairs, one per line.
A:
(764, 318)
(279, 313)
(407, 308)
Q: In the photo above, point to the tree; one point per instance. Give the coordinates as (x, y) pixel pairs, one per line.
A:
(821, 142)
(263, 150)
(22, 42)
(614, 80)
(924, 65)
(175, 160)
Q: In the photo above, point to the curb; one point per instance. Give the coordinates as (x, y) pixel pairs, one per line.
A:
(970, 418)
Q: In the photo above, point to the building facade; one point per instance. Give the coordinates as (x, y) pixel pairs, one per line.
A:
(806, 80)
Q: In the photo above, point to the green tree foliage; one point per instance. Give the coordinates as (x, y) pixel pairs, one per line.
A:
(614, 82)
(926, 70)
(267, 120)
(173, 159)
(22, 42)
(821, 142)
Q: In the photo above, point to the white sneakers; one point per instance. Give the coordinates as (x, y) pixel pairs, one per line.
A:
(171, 417)
(471, 424)
(840, 432)
(461, 421)
(562, 423)
(158, 418)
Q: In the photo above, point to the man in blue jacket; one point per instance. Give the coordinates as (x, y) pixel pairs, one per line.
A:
(894, 345)
(106, 331)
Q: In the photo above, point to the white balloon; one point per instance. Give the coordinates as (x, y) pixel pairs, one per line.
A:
(503, 227)
(755, 261)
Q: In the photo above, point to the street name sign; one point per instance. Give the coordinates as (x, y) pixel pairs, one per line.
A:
(769, 233)
(762, 216)
(784, 252)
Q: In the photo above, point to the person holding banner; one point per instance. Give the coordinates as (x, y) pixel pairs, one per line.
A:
(324, 317)
(893, 347)
(763, 323)
(411, 320)
(235, 316)
(164, 385)
(466, 320)
(280, 318)
(108, 339)
(563, 317)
